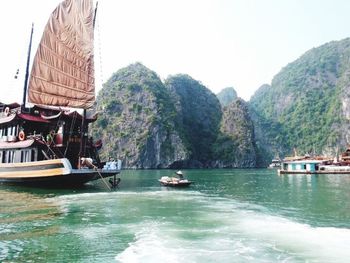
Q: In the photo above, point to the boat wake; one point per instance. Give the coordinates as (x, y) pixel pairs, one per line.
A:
(224, 230)
(178, 226)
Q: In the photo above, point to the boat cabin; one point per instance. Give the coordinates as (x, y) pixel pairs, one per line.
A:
(302, 165)
(43, 133)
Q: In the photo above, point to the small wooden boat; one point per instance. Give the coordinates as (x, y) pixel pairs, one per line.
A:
(178, 181)
(174, 182)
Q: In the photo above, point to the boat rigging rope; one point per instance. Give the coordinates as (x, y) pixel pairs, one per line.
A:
(103, 180)
(90, 164)
(99, 49)
(48, 147)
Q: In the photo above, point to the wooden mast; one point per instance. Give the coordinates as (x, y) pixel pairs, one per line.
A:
(83, 131)
(27, 70)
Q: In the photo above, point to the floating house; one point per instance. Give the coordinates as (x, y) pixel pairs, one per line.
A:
(301, 166)
(313, 166)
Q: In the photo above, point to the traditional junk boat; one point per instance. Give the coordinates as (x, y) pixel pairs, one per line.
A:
(48, 144)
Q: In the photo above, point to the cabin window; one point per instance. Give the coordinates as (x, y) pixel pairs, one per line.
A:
(4, 157)
(18, 156)
(9, 130)
(10, 156)
(25, 156)
(29, 155)
(4, 131)
(13, 156)
(34, 155)
(14, 130)
(9, 153)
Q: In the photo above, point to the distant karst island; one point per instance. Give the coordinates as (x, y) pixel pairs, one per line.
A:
(180, 123)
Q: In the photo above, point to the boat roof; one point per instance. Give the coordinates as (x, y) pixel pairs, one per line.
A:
(306, 161)
(30, 117)
(11, 105)
(16, 145)
(90, 117)
(44, 114)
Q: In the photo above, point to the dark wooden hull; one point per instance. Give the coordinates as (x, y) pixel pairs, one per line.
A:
(55, 173)
(58, 181)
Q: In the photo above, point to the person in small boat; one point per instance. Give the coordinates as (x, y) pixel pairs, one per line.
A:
(180, 175)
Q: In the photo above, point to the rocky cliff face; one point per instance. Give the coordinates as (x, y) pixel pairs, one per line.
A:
(226, 96)
(307, 105)
(199, 115)
(235, 146)
(180, 123)
(138, 120)
(175, 124)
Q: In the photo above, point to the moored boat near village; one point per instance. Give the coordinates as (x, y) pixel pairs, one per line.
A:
(275, 163)
(316, 165)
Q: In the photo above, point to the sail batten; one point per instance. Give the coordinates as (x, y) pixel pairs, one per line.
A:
(63, 67)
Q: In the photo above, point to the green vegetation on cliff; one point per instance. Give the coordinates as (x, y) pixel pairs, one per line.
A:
(304, 106)
(179, 123)
(199, 115)
(138, 120)
(235, 146)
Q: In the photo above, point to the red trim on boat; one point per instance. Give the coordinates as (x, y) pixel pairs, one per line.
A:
(29, 117)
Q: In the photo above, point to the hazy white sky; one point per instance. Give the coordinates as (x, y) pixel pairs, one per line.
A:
(222, 43)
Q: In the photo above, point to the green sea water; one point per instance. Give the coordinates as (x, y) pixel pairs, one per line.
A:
(250, 215)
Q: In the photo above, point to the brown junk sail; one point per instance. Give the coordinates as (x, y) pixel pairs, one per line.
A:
(63, 68)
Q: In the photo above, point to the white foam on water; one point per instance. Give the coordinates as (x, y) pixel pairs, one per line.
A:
(6, 247)
(64, 201)
(316, 244)
(160, 243)
(149, 246)
(158, 193)
(92, 232)
(292, 240)
(238, 232)
(222, 230)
